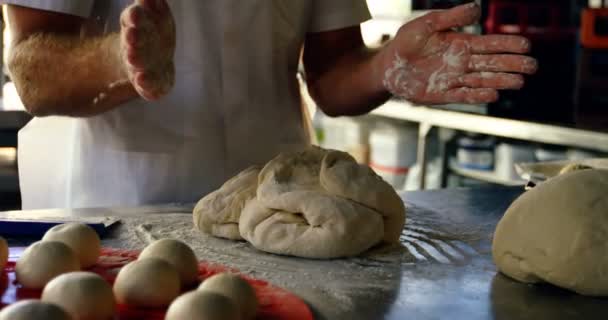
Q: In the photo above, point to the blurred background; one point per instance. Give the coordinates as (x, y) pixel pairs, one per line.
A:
(561, 114)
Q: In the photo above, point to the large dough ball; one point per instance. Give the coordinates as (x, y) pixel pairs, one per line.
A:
(33, 310)
(558, 233)
(321, 204)
(199, 305)
(341, 176)
(3, 253)
(219, 212)
(235, 288)
(44, 260)
(81, 238)
(178, 254)
(148, 282)
(84, 295)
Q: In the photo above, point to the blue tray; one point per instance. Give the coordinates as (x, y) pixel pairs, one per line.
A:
(37, 228)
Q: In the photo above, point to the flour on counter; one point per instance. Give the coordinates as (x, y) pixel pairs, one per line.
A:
(342, 288)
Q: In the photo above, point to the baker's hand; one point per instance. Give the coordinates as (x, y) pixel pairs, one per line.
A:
(429, 63)
(147, 45)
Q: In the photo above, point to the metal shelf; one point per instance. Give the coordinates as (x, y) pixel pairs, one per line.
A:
(494, 126)
(515, 129)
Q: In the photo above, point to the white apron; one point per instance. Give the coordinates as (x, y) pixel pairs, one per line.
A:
(236, 102)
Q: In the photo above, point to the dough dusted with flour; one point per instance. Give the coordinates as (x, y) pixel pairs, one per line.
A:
(342, 177)
(33, 309)
(178, 254)
(558, 233)
(149, 283)
(236, 289)
(202, 305)
(84, 295)
(83, 240)
(321, 204)
(44, 260)
(219, 212)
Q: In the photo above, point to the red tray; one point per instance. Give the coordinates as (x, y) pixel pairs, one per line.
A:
(275, 303)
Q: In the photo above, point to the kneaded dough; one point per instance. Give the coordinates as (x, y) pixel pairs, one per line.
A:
(558, 233)
(236, 289)
(3, 253)
(84, 295)
(178, 254)
(81, 238)
(44, 260)
(341, 176)
(34, 309)
(219, 212)
(321, 203)
(150, 282)
(202, 305)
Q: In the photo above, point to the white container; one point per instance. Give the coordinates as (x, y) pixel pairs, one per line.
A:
(507, 155)
(393, 152)
(549, 154)
(347, 134)
(476, 153)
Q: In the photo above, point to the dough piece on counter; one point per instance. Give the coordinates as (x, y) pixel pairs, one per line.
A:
(558, 233)
(84, 295)
(81, 238)
(574, 167)
(150, 282)
(219, 212)
(3, 253)
(321, 204)
(178, 254)
(327, 227)
(236, 289)
(342, 176)
(44, 260)
(34, 309)
(202, 305)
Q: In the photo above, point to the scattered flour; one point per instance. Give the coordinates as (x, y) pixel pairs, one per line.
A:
(355, 288)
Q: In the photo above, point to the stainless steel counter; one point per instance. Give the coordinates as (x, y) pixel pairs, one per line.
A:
(437, 281)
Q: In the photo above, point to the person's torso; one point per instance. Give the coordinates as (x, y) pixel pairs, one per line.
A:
(236, 102)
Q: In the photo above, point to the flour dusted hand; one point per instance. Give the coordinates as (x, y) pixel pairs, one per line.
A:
(320, 204)
(557, 233)
(429, 63)
(147, 46)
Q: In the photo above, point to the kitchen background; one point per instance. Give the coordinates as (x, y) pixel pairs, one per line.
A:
(561, 114)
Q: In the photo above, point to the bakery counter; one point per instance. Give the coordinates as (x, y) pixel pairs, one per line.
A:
(442, 269)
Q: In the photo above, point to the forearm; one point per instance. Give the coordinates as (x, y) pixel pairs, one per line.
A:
(353, 86)
(68, 75)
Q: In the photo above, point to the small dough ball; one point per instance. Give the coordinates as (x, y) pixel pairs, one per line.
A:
(235, 288)
(34, 309)
(557, 233)
(44, 260)
(574, 167)
(3, 253)
(148, 282)
(81, 238)
(177, 254)
(84, 295)
(203, 305)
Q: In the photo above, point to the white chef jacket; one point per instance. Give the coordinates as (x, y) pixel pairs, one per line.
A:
(236, 102)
